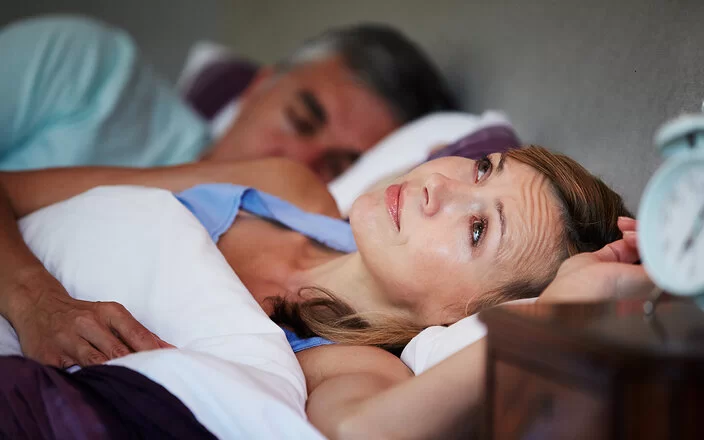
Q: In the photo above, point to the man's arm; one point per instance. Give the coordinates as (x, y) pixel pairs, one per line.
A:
(29, 191)
(52, 327)
(59, 330)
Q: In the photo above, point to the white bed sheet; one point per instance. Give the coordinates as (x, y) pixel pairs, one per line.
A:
(140, 247)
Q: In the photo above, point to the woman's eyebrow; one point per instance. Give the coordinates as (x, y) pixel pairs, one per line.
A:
(502, 220)
(500, 166)
(313, 105)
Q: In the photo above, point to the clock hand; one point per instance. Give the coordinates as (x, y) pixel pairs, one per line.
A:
(694, 233)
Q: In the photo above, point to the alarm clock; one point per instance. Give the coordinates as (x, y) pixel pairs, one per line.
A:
(671, 213)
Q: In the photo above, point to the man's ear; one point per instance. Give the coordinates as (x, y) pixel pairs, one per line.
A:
(261, 79)
(436, 149)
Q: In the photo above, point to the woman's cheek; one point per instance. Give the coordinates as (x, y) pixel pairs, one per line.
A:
(434, 258)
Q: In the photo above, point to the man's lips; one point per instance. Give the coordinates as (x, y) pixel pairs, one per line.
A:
(392, 197)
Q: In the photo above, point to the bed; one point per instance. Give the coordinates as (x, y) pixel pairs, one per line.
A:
(528, 60)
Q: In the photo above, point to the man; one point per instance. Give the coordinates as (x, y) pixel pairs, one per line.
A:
(74, 92)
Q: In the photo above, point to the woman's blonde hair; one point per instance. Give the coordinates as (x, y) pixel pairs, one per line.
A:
(589, 211)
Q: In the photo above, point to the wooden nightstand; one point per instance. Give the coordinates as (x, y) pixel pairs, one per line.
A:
(597, 371)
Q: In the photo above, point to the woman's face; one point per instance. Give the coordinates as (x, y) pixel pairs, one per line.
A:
(453, 229)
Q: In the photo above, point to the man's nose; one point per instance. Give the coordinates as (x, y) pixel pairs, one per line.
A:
(306, 152)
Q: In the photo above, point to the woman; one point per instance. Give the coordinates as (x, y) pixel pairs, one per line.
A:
(496, 229)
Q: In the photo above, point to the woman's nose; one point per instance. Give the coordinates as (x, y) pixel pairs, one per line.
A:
(435, 192)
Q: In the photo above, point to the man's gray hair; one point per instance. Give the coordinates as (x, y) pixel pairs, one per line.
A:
(385, 61)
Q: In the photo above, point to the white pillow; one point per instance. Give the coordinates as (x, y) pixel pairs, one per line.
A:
(140, 247)
(434, 344)
(406, 148)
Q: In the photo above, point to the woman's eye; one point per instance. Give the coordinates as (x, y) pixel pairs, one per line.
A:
(478, 229)
(483, 167)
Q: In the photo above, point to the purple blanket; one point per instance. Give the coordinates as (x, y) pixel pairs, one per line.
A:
(219, 84)
(488, 140)
(40, 402)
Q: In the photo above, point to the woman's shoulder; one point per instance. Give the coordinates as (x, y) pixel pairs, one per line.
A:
(327, 361)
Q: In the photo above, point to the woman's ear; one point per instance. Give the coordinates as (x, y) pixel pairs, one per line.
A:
(261, 79)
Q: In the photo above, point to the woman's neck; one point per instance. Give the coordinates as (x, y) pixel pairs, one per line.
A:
(279, 263)
(346, 277)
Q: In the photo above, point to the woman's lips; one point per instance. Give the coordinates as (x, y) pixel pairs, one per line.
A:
(392, 196)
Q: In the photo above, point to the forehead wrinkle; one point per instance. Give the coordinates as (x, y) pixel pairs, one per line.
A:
(530, 239)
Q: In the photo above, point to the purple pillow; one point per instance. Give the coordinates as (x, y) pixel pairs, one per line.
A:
(487, 140)
(218, 84)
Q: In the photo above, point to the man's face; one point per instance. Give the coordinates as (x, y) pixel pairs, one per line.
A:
(316, 114)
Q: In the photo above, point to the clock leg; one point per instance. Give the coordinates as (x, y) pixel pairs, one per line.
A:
(649, 306)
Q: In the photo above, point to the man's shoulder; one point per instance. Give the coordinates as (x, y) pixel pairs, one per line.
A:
(305, 189)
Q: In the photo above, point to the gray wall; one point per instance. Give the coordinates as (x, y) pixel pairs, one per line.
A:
(592, 78)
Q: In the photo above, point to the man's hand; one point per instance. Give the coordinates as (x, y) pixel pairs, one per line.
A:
(57, 330)
(605, 274)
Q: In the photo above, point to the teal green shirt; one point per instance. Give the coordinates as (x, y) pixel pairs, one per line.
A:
(73, 91)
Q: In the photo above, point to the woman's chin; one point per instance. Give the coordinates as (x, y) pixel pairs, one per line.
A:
(362, 208)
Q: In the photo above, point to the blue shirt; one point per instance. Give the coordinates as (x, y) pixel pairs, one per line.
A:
(75, 92)
(216, 206)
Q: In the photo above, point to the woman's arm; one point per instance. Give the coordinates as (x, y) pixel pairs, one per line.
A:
(364, 394)
(381, 399)
(602, 275)
(56, 329)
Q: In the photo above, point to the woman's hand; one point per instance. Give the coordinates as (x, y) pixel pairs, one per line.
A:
(57, 330)
(605, 274)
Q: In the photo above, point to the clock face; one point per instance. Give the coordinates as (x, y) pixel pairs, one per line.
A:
(671, 227)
